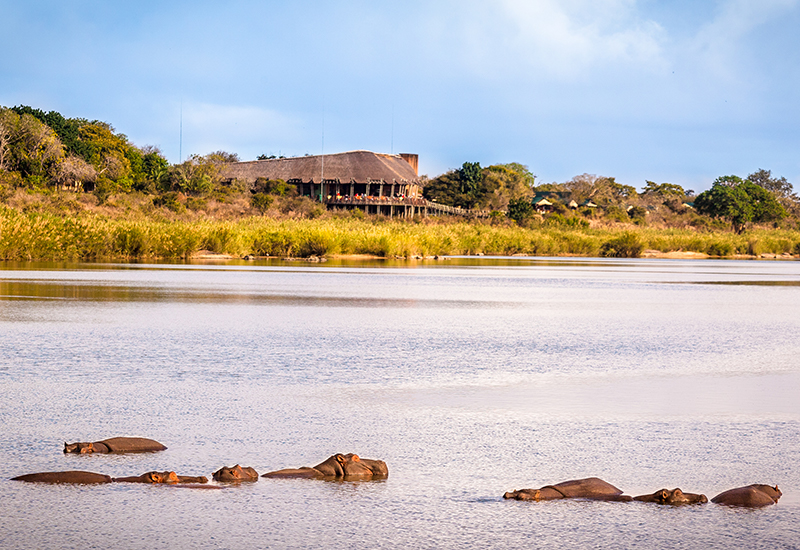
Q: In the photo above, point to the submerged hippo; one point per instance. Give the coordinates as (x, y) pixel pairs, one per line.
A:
(115, 445)
(73, 476)
(161, 477)
(338, 466)
(590, 488)
(675, 497)
(235, 473)
(752, 496)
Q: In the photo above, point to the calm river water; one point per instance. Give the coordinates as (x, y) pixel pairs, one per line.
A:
(469, 377)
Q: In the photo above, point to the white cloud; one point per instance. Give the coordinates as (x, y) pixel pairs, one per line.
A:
(564, 39)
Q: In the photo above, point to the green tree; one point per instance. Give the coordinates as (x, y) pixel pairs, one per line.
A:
(464, 187)
(740, 202)
(67, 129)
(505, 182)
(110, 154)
(470, 178)
(601, 190)
(663, 189)
(198, 175)
(520, 209)
(154, 171)
(777, 186)
(29, 147)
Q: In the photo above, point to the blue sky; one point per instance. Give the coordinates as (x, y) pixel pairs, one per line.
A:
(671, 91)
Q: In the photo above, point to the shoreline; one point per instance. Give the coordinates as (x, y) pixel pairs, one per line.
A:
(655, 254)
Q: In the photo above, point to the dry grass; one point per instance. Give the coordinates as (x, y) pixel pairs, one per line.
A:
(70, 226)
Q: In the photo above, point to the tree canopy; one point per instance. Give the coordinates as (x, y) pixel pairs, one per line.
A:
(489, 188)
(740, 202)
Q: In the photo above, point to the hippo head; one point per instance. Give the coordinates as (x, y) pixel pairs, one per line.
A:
(772, 492)
(236, 473)
(78, 448)
(674, 497)
(351, 466)
(160, 477)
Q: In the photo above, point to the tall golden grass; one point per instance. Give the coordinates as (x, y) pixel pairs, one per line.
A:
(86, 236)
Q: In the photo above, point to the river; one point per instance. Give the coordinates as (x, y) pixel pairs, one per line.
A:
(470, 377)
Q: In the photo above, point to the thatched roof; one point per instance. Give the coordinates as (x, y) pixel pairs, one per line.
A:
(357, 166)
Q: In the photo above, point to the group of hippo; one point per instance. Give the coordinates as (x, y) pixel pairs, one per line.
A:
(352, 467)
(593, 488)
(339, 466)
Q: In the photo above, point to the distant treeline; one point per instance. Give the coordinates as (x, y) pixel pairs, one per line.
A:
(760, 198)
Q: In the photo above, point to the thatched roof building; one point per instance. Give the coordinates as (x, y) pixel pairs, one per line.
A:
(352, 173)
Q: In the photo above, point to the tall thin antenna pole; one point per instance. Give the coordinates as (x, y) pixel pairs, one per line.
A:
(322, 170)
(392, 128)
(180, 142)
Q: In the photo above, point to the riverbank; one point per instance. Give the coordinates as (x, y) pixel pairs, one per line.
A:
(32, 235)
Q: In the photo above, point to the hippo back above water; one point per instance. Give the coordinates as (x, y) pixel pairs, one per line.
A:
(591, 488)
(751, 496)
(72, 476)
(115, 445)
(339, 466)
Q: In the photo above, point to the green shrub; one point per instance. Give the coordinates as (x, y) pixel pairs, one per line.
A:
(520, 210)
(627, 245)
(261, 202)
(719, 248)
(754, 247)
(130, 241)
(103, 189)
(196, 203)
(616, 213)
(577, 223)
(219, 240)
(637, 212)
(554, 220)
(170, 201)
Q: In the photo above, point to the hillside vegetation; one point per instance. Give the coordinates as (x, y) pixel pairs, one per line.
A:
(73, 189)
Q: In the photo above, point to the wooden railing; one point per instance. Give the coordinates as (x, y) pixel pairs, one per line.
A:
(406, 201)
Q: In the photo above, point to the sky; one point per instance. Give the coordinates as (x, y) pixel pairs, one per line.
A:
(671, 91)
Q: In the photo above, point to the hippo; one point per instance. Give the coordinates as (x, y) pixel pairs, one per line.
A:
(339, 466)
(161, 477)
(675, 497)
(73, 476)
(235, 473)
(115, 445)
(592, 488)
(752, 496)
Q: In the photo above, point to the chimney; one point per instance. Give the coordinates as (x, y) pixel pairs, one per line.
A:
(413, 160)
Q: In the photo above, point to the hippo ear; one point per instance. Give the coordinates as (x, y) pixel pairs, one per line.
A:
(339, 458)
(356, 459)
(154, 477)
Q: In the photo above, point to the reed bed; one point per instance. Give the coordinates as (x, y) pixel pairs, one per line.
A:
(46, 236)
